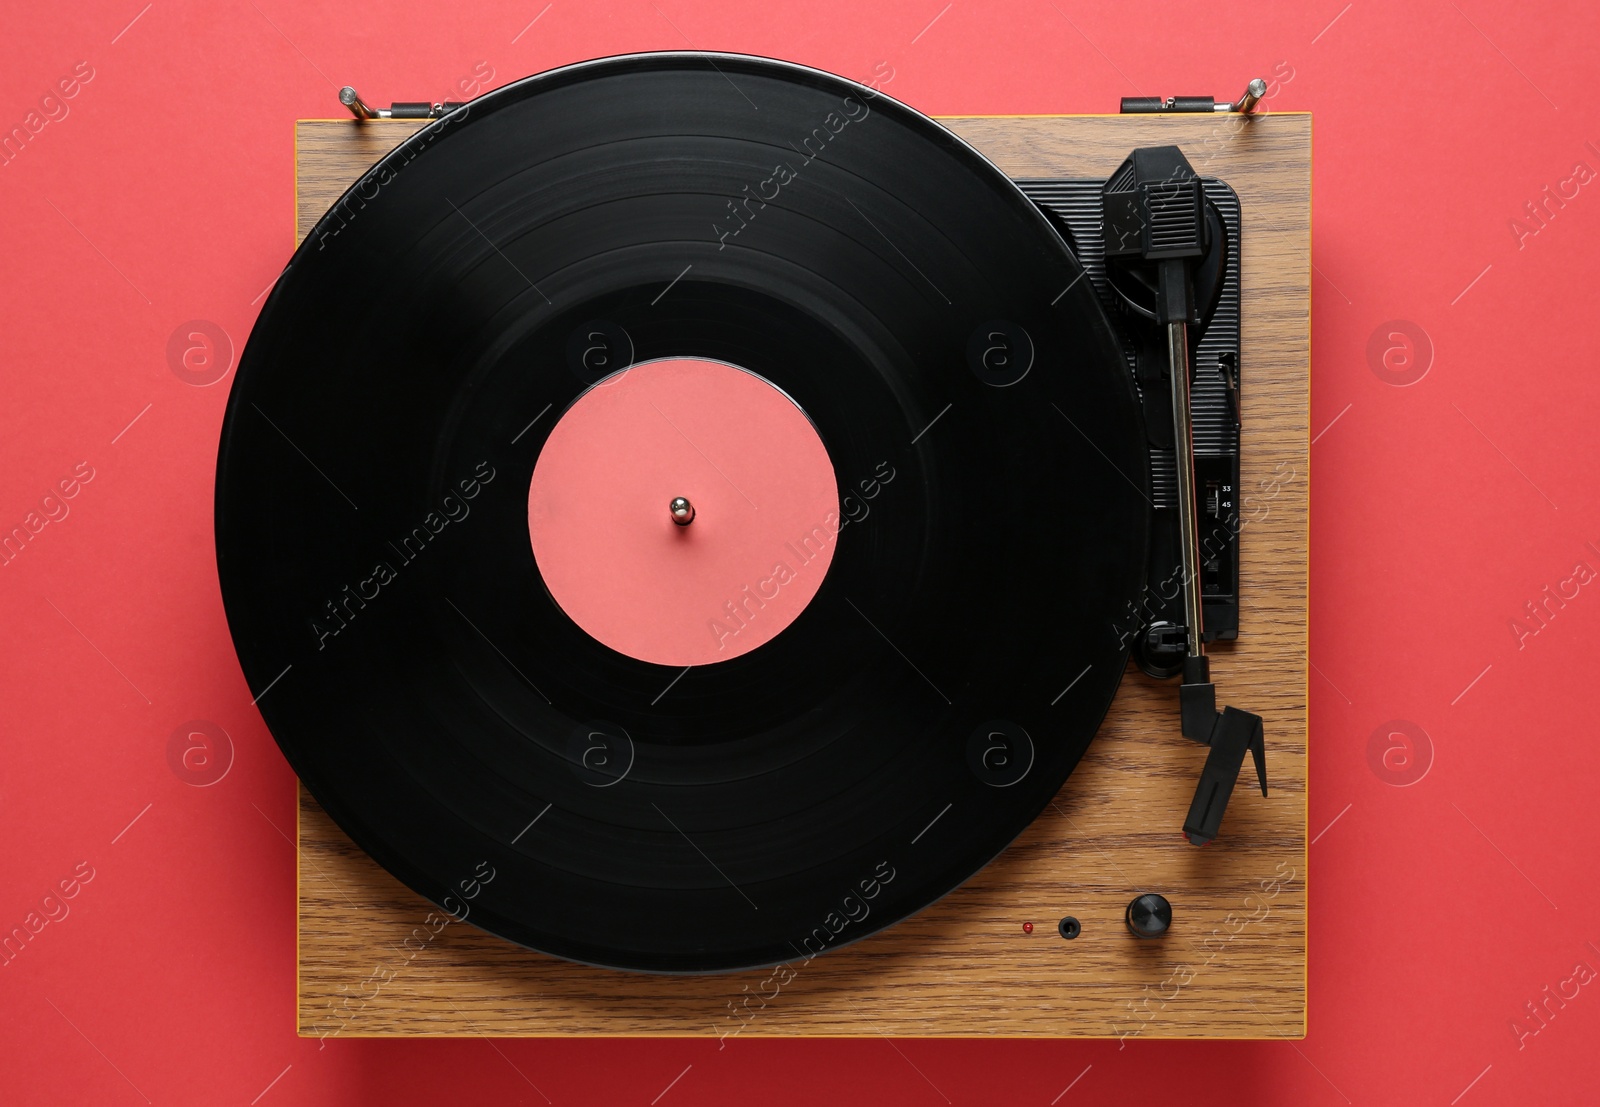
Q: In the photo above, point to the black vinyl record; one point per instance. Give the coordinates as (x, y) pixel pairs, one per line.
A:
(932, 697)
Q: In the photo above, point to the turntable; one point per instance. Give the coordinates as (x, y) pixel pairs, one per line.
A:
(728, 555)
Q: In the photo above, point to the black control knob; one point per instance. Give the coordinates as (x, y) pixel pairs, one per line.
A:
(1149, 916)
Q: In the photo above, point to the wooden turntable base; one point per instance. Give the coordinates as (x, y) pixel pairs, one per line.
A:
(376, 959)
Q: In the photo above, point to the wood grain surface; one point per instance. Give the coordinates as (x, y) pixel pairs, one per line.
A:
(376, 959)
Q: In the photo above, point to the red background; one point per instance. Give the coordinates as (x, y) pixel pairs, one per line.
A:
(1440, 509)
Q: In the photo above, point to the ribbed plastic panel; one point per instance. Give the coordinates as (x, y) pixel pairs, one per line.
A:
(1174, 223)
(1077, 203)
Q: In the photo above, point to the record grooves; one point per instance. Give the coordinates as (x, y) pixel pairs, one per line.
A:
(372, 512)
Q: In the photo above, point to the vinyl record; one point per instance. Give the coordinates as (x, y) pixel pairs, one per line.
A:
(479, 290)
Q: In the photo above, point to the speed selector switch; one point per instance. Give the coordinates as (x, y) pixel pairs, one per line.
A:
(1149, 916)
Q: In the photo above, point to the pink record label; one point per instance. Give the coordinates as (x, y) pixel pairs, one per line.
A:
(760, 491)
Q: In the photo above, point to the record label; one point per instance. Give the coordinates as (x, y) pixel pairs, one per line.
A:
(755, 529)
